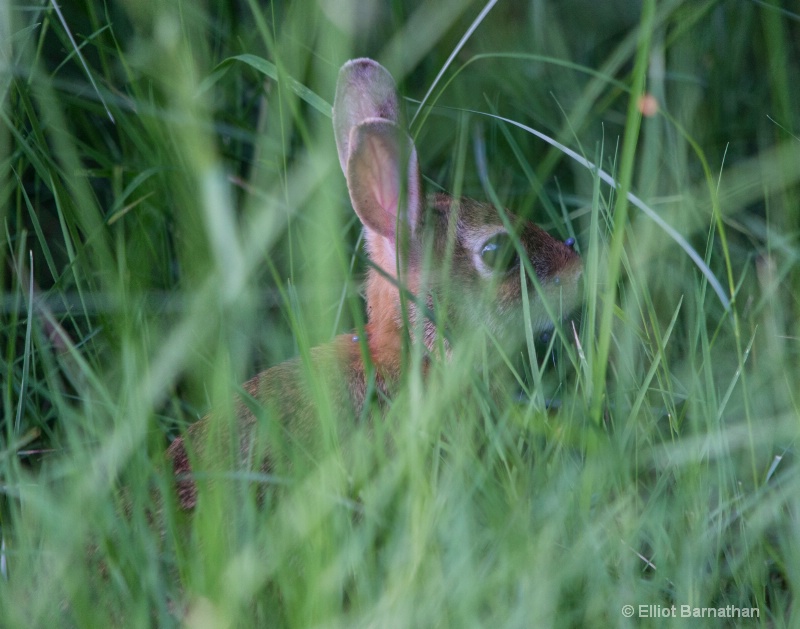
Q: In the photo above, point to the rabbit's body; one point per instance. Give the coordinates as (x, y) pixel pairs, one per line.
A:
(456, 260)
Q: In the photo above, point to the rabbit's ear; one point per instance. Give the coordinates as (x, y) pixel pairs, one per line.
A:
(382, 172)
(365, 89)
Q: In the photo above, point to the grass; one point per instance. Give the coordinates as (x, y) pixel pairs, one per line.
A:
(205, 233)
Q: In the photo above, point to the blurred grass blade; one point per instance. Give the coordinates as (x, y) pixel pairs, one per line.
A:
(26, 356)
(269, 69)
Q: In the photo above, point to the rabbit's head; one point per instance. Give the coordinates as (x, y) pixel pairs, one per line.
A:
(456, 256)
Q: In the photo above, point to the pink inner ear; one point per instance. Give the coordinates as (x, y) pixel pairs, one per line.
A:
(384, 181)
(376, 172)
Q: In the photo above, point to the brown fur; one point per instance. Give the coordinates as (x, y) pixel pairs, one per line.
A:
(380, 165)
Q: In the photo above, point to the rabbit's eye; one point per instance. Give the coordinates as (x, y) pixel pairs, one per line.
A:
(499, 254)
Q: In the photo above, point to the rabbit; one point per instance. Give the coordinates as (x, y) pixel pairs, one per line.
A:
(380, 165)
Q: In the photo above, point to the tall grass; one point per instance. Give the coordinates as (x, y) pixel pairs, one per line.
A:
(182, 212)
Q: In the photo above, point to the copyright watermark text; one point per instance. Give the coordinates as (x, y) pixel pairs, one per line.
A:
(689, 611)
